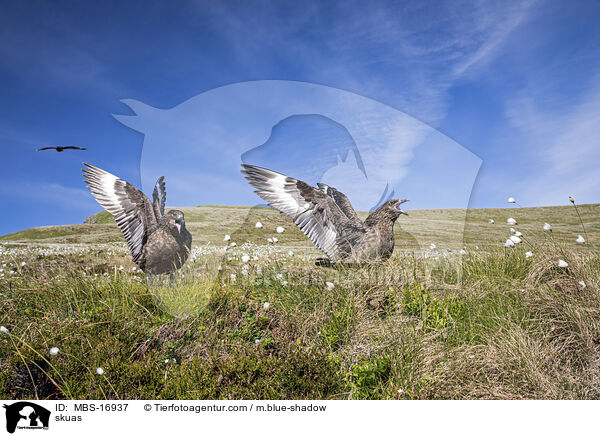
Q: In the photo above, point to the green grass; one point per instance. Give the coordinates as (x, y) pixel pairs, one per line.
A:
(447, 228)
(493, 324)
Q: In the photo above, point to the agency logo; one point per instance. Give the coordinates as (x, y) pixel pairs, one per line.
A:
(26, 415)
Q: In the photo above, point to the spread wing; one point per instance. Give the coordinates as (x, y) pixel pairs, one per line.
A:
(159, 197)
(314, 212)
(131, 208)
(46, 148)
(341, 200)
(72, 147)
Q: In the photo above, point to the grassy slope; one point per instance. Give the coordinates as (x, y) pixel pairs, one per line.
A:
(444, 227)
(494, 324)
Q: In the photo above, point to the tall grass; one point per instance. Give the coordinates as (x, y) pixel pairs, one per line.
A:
(491, 324)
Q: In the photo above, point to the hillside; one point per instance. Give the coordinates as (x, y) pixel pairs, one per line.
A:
(444, 227)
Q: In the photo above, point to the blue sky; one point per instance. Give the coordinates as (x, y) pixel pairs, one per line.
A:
(514, 86)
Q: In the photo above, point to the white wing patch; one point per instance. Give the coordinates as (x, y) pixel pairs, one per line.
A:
(283, 194)
(124, 202)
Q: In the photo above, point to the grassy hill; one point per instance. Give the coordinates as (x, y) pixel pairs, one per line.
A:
(445, 227)
(259, 321)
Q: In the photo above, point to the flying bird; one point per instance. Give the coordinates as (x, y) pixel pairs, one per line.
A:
(327, 218)
(159, 242)
(61, 148)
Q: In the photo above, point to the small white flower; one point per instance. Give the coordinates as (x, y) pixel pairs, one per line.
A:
(290, 253)
(491, 221)
(552, 328)
(270, 240)
(245, 258)
(257, 341)
(528, 254)
(509, 243)
(582, 283)
(54, 351)
(4, 329)
(547, 227)
(232, 277)
(279, 276)
(233, 244)
(280, 229)
(511, 200)
(99, 371)
(511, 221)
(227, 238)
(580, 239)
(166, 360)
(471, 356)
(121, 267)
(23, 264)
(463, 251)
(275, 240)
(132, 269)
(515, 239)
(284, 283)
(330, 286)
(513, 231)
(400, 391)
(562, 264)
(258, 225)
(432, 246)
(266, 305)
(220, 268)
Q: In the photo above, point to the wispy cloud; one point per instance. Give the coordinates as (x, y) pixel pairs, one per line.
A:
(562, 146)
(57, 195)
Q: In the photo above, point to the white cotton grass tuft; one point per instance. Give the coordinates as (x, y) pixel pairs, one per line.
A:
(227, 238)
(245, 258)
(518, 234)
(23, 264)
(580, 239)
(562, 264)
(491, 221)
(513, 231)
(275, 240)
(330, 286)
(99, 371)
(547, 227)
(511, 200)
(54, 351)
(290, 253)
(258, 225)
(582, 284)
(511, 221)
(266, 305)
(233, 244)
(509, 243)
(432, 246)
(4, 330)
(528, 254)
(280, 229)
(515, 239)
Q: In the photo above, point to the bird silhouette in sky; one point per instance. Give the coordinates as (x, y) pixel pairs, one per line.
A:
(61, 148)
